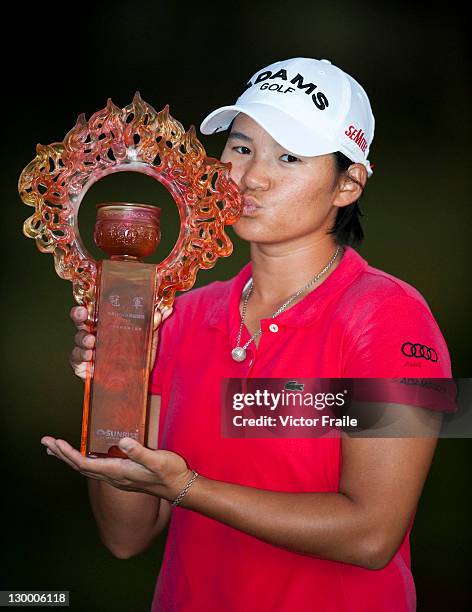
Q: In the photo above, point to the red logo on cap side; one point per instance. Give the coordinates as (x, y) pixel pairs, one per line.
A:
(357, 135)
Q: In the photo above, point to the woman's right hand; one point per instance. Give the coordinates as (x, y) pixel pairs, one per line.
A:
(83, 351)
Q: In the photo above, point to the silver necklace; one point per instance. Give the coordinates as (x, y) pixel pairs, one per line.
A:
(239, 352)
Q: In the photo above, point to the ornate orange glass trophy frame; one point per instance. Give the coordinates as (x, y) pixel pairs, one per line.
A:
(122, 293)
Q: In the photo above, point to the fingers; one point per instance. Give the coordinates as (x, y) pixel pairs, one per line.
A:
(80, 361)
(120, 473)
(141, 471)
(71, 456)
(92, 468)
(160, 315)
(53, 449)
(82, 353)
(81, 369)
(84, 340)
(166, 312)
(138, 453)
(79, 316)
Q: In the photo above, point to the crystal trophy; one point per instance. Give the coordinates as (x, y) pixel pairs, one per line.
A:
(122, 293)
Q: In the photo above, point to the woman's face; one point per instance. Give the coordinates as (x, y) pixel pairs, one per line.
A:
(286, 197)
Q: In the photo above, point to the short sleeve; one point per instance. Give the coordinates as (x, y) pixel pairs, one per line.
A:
(399, 339)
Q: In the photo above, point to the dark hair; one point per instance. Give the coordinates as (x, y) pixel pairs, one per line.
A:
(347, 227)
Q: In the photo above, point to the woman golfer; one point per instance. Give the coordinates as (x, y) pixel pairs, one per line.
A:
(278, 523)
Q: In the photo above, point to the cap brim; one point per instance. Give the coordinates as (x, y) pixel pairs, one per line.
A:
(284, 129)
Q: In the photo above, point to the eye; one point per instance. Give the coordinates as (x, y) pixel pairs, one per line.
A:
(289, 158)
(242, 150)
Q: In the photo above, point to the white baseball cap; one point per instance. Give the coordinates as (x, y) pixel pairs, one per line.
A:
(310, 107)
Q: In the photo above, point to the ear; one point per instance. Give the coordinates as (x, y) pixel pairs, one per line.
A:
(351, 185)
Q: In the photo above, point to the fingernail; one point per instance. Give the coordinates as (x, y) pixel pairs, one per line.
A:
(49, 451)
(126, 444)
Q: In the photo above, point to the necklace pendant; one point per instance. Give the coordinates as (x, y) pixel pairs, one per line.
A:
(238, 354)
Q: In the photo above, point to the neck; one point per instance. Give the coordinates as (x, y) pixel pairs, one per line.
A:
(280, 271)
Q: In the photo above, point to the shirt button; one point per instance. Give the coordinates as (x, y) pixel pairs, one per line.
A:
(274, 327)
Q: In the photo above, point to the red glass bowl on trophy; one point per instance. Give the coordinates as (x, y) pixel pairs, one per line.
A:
(122, 293)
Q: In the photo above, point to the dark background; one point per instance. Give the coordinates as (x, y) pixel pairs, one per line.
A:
(412, 62)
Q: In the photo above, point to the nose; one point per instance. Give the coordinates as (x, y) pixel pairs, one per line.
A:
(256, 176)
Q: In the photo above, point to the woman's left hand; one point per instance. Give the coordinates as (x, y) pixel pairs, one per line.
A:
(156, 472)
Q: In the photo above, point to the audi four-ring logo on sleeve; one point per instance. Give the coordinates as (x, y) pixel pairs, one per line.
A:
(411, 349)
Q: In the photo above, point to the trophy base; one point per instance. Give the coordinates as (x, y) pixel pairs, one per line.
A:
(113, 451)
(116, 393)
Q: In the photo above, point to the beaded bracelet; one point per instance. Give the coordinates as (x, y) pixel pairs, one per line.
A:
(184, 491)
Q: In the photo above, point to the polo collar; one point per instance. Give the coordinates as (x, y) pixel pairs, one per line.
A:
(225, 313)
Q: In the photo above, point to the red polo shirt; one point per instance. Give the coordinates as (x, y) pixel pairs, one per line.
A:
(353, 325)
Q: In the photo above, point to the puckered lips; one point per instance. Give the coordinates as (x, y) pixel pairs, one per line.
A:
(250, 206)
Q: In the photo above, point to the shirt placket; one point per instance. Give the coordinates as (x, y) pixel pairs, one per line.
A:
(270, 335)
